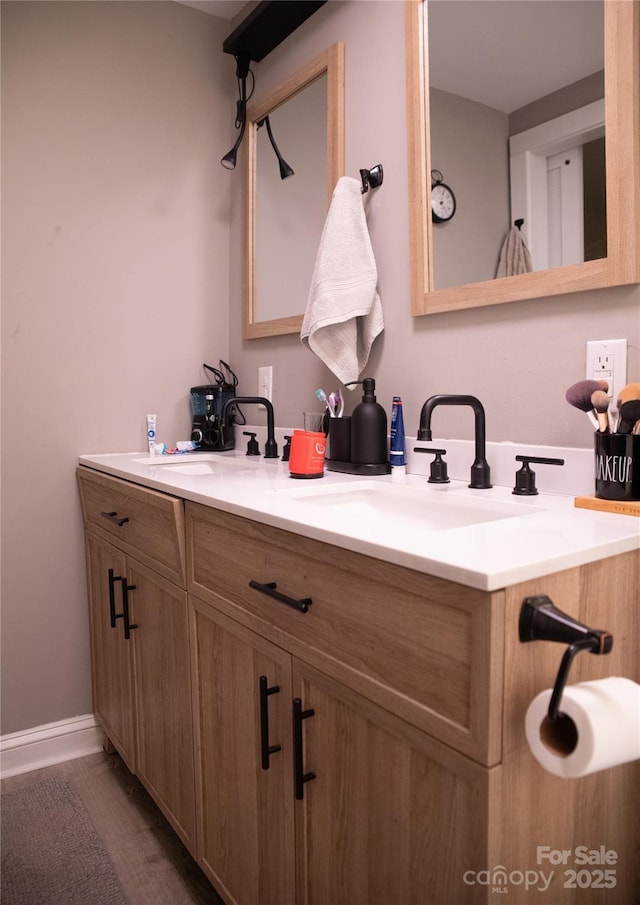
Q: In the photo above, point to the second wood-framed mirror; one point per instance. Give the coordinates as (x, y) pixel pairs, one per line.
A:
(284, 218)
(621, 261)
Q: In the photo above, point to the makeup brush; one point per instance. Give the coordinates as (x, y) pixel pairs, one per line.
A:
(600, 402)
(629, 415)
(628, 392)
(579, 396)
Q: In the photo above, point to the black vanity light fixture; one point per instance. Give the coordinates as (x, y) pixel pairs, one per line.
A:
(242, 71)
(285, 169)
(266, 26)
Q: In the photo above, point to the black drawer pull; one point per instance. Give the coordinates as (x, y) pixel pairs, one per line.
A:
(128, 626)
(112, 598)
(114, 517)
(270, 590)
(300, 777)
(266, 750)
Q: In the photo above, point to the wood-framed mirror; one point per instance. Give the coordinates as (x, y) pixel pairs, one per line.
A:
(283, 219)
(621, 265)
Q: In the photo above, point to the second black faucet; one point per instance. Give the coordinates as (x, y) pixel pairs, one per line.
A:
(480, 471)
(270, 447)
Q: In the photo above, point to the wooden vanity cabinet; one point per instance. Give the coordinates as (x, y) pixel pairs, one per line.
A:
(140, 637)
(111, 660)
(387, 810)
(355, 734)
(246, 841)
(392, 815)
(420, 783)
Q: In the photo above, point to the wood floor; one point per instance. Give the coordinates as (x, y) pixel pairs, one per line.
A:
(153, 866)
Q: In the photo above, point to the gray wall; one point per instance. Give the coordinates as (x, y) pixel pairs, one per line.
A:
(122, 274)
(115, 246)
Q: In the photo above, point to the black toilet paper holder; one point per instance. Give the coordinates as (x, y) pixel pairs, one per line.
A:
(541, 620)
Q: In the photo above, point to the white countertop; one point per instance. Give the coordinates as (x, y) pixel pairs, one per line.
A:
(534, 536)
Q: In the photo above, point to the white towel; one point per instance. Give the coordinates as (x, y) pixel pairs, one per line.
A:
(344, 312)
(515, 256)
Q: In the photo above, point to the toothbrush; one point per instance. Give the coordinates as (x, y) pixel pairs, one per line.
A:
(339, 403)
(322, 396)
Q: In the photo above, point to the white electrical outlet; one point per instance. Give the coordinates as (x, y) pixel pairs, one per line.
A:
(265, 383)
(607, 360)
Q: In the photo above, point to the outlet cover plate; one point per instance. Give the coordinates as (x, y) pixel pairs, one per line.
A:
(607, 360)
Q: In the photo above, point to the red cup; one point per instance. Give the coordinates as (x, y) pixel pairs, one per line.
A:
(306, 459)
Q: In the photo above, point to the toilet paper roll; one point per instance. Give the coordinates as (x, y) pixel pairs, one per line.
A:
(599, 728)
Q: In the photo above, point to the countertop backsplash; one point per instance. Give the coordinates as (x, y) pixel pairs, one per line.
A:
(574, 478)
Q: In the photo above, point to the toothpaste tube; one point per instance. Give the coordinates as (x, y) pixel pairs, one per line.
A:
(396, 450)
(151, 433)
(181, 447)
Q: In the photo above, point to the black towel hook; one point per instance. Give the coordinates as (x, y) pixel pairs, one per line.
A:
(372, 177)
(519, 223)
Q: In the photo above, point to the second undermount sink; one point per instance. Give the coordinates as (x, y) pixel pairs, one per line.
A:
(395, 506)
(200, 463)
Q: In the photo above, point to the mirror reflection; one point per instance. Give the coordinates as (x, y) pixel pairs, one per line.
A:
(516, 128)
(284, 218)
(608, 255)
(282, 236)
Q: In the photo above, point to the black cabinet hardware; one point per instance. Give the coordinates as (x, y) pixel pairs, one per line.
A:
(300, 777)
(114, 517)
(128, 626)
(541, 620)
(112, 598)
(266, 750)
(526, 477)
(270, 590)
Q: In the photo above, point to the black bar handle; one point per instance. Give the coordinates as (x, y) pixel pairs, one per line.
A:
(266, 750)
(112, 598)
(128, 626)
(300, 777)
(114, 517)
(539, 460)
(269, 589)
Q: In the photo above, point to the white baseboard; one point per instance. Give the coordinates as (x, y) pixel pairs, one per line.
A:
(31, 749)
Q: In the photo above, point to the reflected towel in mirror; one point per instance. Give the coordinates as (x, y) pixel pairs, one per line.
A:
(344, 311)
(515, 257)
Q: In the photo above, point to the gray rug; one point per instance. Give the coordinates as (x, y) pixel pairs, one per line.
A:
(51, 854)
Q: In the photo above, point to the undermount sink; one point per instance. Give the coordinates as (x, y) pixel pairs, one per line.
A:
(396, 506)
(199, 463)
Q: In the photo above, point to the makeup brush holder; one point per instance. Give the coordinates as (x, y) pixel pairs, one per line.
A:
(617, 463)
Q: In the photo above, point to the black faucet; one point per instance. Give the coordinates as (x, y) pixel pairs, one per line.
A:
(480, 471)
(270, 447)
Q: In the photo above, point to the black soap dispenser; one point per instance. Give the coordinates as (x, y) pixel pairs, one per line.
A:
(369, 454)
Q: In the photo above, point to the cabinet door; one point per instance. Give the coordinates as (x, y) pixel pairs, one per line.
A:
(111, 652)
(391, 814)
(246, 841)
(163, 697)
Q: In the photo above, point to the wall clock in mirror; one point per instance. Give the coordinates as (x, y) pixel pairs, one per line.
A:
(443, 201)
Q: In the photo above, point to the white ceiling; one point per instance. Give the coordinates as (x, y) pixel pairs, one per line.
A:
(223, 9)
(507, 54)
